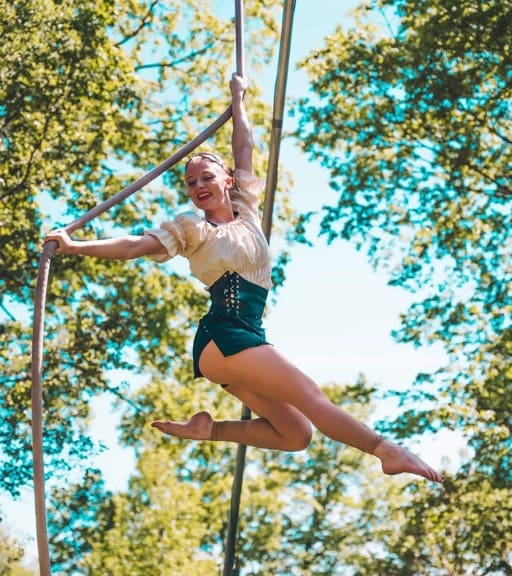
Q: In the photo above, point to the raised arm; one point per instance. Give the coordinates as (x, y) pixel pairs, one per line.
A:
(241, 139)
(122, 248)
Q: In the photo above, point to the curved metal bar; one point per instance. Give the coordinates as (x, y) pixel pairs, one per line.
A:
(37, 408)
(40, 299)
(268, 205)
(239, 38)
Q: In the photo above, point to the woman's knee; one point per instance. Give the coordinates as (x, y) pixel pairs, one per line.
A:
(301, 437)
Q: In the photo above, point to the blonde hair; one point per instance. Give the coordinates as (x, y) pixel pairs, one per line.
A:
(211, 157)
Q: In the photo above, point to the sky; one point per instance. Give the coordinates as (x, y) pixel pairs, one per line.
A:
(346, 310)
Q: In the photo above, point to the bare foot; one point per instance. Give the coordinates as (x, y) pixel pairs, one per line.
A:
(199, 427)
(395, 459)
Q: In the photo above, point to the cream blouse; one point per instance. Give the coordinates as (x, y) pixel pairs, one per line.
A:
(237, 246)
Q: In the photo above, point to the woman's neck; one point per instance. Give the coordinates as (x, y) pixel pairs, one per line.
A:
(220, 217)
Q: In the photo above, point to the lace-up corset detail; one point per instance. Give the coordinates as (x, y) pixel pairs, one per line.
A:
(233, 296)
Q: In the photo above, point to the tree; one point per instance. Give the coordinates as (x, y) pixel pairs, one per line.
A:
(93, 94)
(11, 555)
(412, 120)
(460, 529)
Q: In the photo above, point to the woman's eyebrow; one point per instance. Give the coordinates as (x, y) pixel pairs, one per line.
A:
(205, 172)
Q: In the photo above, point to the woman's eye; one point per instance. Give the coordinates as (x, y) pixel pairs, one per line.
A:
(191, 183)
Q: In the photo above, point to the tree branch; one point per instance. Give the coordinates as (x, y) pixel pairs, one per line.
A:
(502, 190)
(7, 313)
(175, 63)
(146, 18)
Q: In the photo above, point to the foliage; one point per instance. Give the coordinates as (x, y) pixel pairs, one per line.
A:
(411, 116)
(11, 555)
(460, 529)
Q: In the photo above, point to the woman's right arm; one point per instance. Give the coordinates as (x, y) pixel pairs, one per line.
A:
(122, 248)
(241, 137)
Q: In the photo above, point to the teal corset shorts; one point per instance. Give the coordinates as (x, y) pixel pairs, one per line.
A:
(233, 321)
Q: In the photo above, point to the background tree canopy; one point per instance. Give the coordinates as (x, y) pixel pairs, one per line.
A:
(412, 120)
(409, 113)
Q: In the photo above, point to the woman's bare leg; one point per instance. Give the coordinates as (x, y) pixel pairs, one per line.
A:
(280, 426)
(263, 371)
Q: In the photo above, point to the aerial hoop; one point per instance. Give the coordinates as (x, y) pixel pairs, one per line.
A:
(40, 299)
(50, 247)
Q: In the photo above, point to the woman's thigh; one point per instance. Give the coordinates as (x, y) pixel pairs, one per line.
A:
(285, 418)
(263, 371)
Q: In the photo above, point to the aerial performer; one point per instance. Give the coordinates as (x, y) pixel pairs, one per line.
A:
(228, 252)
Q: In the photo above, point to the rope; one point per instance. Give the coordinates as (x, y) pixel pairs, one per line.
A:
(268, 205)
(40, 299)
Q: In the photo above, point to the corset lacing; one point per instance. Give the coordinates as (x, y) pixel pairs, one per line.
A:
(232, 295)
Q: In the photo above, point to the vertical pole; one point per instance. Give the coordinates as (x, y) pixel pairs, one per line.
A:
(236, 488)
(277, 117)
(271, 184)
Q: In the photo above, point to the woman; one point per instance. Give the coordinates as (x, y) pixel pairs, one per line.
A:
(228, 252)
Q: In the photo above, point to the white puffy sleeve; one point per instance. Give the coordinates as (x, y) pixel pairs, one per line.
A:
(247, 192)
(180, 236)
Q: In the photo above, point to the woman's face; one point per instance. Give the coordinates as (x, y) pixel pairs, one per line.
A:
(208, 184)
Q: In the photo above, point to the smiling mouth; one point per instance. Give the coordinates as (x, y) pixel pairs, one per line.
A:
(203, 196)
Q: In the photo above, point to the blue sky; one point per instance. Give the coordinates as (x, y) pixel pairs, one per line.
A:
(350, 310)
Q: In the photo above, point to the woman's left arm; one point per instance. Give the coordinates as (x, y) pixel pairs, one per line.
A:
(121, 248)
(241, 138)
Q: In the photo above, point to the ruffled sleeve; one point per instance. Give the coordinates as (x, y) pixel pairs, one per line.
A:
(179, 237)
(247, 192)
